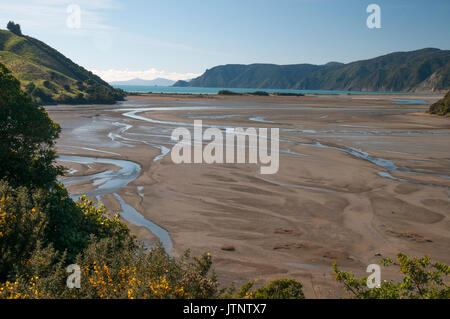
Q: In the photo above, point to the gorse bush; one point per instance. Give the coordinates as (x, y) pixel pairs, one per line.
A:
(276, 289)
(421, 279)
(25, 223)
(112, 271)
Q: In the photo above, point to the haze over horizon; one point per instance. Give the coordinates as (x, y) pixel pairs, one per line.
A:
(122, 40)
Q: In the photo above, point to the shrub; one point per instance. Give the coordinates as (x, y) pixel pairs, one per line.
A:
(441, 107)
(111, 271)
(277, 289)
(421, 280)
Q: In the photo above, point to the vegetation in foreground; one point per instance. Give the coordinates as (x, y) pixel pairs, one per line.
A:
(48, 76)
(441, 107)
(421, 279)
(42, 231)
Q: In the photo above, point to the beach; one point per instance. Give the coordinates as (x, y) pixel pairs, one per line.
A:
(361, 177)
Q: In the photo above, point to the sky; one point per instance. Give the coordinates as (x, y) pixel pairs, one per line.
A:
(125, 39)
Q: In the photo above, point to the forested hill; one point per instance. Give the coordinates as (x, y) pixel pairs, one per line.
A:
(48, 76)
(426, 70)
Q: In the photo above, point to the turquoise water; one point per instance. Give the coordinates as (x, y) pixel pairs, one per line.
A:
(413, 101)
(198, 90)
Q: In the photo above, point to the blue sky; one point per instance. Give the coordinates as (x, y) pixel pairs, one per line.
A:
(122, 39)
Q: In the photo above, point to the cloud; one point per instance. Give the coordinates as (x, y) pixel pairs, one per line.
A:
(125, 75)
(52, 14)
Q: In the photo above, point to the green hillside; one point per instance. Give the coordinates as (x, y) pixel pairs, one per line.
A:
(426, 70)
(48, 76)
(441, 107)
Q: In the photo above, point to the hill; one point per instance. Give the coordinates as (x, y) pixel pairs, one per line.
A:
(441, 107)
(48, 76)
(426, 70)
(137, 81)
(181, 83)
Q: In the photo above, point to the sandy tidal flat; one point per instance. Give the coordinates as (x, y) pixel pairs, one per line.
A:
(360, 177)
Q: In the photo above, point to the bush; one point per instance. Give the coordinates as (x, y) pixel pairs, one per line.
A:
(109, 271)
(277, 289)
(441, 107)
(421, 280)
(29, 217)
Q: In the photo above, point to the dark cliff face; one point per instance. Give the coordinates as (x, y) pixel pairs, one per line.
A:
(426, 70)
(50, 77)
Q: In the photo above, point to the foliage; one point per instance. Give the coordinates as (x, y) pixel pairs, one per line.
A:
(422, 279)
(276, 289)
(21, 227)
(441, 107)
(14, 28)
(66, 226)
(109, 271)
(27, 136)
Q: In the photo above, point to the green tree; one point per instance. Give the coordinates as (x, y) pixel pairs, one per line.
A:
(27, 137)
(14, 28)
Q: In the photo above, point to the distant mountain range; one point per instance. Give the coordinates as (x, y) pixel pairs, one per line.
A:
(49, 77)
(137, 81)
(426, 70)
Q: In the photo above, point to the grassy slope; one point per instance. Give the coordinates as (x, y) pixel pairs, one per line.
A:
(49, 76)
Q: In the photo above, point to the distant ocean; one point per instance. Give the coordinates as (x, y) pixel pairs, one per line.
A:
(198, 90)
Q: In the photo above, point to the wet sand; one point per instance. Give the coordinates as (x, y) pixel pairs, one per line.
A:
(359, 176)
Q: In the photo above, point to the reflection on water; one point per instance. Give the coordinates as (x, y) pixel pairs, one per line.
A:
(131, 214)
(109, 182)
(413, 101)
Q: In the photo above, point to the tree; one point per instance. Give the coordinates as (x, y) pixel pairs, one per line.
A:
(27, 137)
(14, 28)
